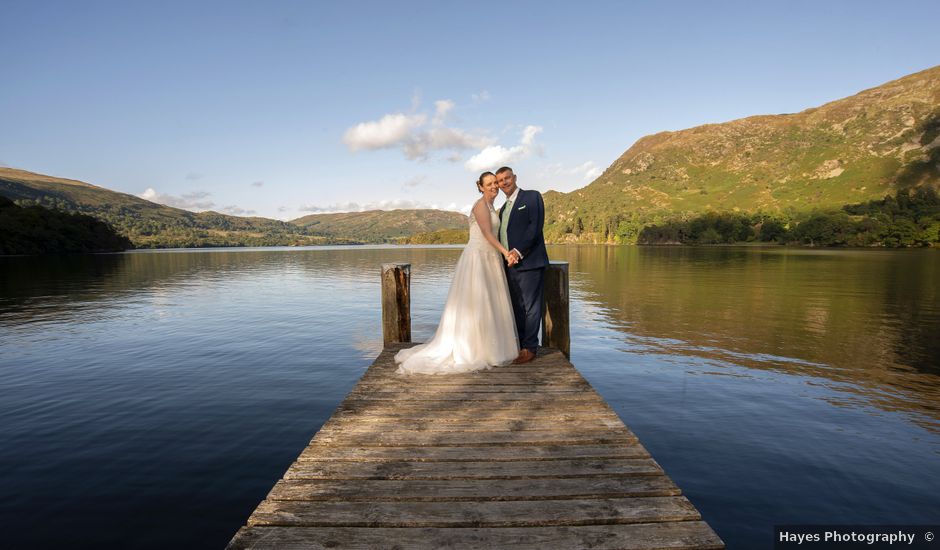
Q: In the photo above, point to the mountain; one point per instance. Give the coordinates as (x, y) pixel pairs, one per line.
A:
(151, 225)
(849, 151)
(381, 225)
(147, 224)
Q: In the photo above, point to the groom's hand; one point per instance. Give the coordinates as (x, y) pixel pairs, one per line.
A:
(513, 258)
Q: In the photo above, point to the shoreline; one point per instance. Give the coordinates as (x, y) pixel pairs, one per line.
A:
(458, 245)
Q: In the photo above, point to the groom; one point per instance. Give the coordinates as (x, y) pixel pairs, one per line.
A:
(520, 231)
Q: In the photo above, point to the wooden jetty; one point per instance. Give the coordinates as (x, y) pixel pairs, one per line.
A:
(526, 457)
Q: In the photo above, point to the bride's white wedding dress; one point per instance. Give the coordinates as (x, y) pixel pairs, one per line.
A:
(477, 329)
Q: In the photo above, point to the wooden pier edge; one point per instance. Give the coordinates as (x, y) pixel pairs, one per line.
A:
(523, 457)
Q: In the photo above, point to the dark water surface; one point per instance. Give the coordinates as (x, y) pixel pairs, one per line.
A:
(152, 399)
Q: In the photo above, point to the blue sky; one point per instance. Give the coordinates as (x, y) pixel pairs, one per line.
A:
(281, 109)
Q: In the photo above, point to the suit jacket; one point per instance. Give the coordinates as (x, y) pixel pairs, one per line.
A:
(525, 230)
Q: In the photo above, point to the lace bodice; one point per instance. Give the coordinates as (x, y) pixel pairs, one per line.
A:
(476, 234)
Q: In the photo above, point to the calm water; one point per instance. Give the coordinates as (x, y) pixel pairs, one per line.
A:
(152, 399)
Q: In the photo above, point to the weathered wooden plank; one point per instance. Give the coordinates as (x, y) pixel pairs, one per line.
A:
(465, 416)
(378, 437)
(536, 371)
(330, 469)
(366, 424)
(484, 377)
(520, 387)
(371, 490)
(501, 453)
(560, 399)
(491, 408)
(686, 535)
(549, 361)
(436, 433)
(371, 424)
(511, 513)
(545, 367)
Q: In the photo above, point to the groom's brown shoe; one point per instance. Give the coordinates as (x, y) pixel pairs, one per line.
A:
(524, 357)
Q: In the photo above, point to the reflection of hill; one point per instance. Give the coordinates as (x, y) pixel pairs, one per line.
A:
(73, 287)
(53, 284)
(867, 320)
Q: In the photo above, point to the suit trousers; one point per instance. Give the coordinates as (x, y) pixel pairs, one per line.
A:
(525, 292)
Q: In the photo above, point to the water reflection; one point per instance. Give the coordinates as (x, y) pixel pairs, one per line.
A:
(866, 320)
(196, 376)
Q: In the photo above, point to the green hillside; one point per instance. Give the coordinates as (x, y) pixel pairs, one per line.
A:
(441, 236)
(849, 151)
(151, 225)
(147, 224)
(382, 225)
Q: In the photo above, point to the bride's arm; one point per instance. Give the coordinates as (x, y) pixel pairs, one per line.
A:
(482, 214)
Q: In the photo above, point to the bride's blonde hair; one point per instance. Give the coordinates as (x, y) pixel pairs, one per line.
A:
(480, 180)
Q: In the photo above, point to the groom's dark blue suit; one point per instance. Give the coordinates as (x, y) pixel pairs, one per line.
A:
(526, 278)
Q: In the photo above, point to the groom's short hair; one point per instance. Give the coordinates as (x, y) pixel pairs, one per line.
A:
(504, 169)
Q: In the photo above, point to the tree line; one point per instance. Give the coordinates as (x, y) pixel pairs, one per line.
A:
(909, 218)
(38, 230)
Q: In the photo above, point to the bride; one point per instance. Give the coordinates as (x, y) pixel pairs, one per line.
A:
(477, 329)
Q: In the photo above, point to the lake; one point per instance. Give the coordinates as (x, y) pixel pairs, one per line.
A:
(152, 398)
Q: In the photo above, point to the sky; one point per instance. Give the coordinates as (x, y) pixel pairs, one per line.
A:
(283, 109)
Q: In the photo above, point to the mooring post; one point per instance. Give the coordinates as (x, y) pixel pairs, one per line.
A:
(555, 323)
(396, 303)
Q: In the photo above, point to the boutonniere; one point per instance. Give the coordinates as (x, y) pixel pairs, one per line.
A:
(521, 207)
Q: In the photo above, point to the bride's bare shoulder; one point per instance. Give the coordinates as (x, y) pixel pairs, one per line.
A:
(478, 207)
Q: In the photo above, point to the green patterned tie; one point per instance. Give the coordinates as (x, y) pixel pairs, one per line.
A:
(504, 224)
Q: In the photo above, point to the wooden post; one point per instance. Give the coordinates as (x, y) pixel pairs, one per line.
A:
(555, 324)
(396, 303)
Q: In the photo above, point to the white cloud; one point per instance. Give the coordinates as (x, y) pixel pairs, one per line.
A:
(389, 131)
(189, 201)
(590, 171)
(417, 135)
(257, 184)
(481, 96)
(236, 211)
(441, 108)
(493, 156)
(528, 134)
(585, 172)
(441, 138)
(394, 204)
